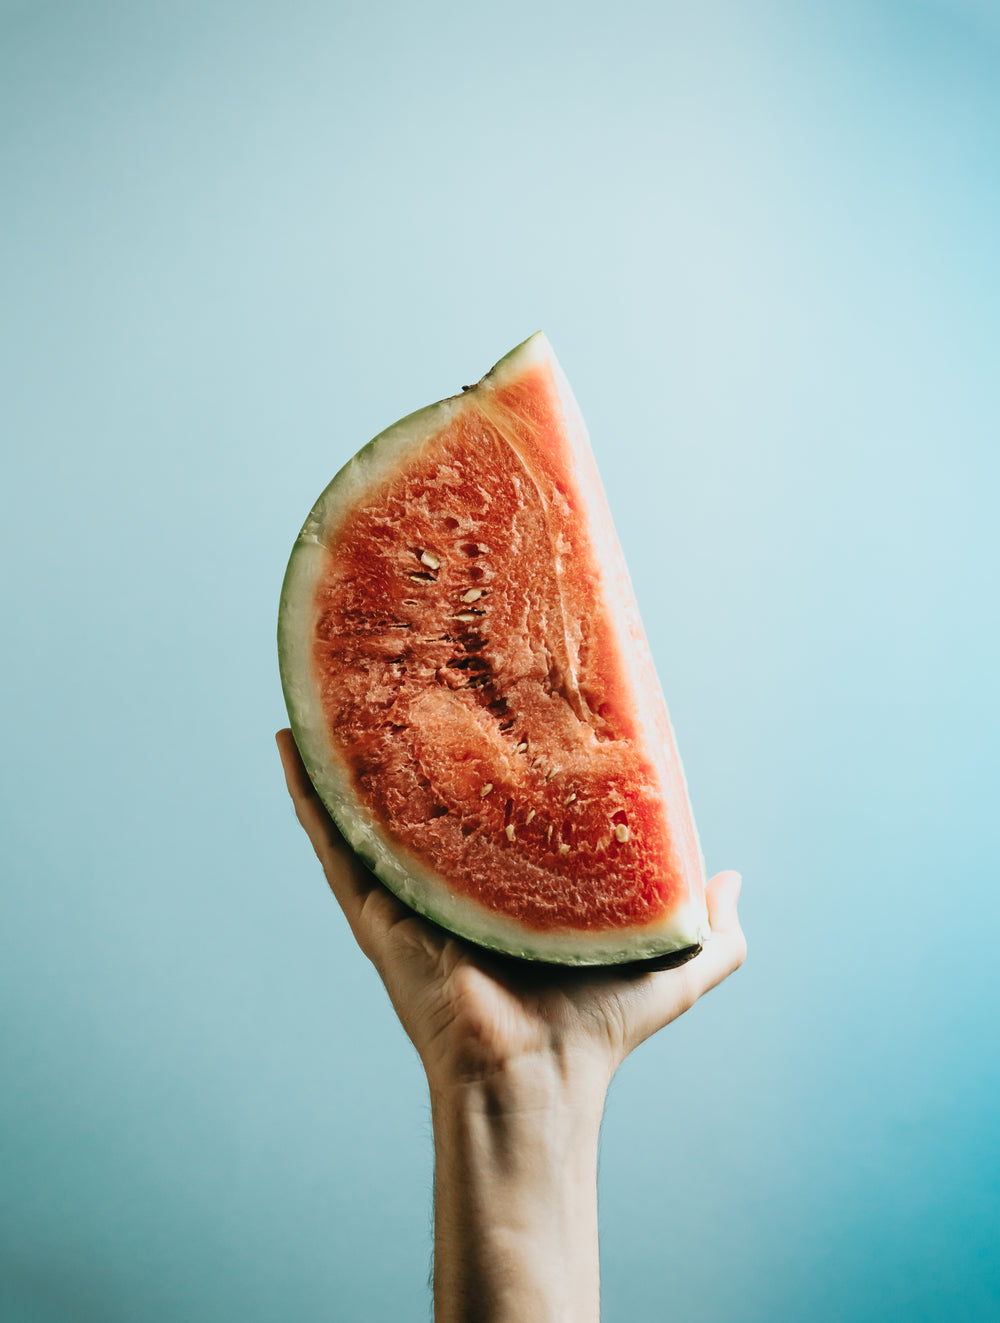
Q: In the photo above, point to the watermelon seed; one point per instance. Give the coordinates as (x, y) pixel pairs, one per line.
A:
(621, 833)
(537, 762)
(509, 829)
(430, 561)
(486, 790)
(520, 748)
(564, 848)
(548, 832)
(551, 773)
(421, 577)
(466, 616)
(569, 799)
(529, 819)
(473, 595)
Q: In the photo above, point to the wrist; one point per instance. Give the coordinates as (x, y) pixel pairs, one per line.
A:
(525, 1084)
(516, 1193)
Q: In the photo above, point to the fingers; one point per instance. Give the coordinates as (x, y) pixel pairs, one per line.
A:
(349, 880)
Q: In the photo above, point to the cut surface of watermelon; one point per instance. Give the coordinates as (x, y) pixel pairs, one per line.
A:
(470, 686)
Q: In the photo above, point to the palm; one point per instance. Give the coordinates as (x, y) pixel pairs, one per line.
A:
(464, 1007)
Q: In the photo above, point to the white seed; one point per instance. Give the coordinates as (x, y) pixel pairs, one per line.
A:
(466, 616)
(520, 748)
(531, 816)
(569, 799)
(473, 595)
(430, 561)
(551, 773)
(486, 790)
(621, 832)
(537, 762)
(509, 829)
(564, 848)
(548, 833)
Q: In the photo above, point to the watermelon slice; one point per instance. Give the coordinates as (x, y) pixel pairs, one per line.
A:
(470, 686)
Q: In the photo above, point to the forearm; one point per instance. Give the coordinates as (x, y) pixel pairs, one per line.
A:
(515, 1196)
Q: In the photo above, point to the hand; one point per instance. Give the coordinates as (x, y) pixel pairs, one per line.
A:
(471, 1014)
(518, 1059)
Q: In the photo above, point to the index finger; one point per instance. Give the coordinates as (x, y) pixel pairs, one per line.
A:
(349, 880)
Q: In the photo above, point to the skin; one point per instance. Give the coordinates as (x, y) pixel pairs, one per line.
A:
(518, 1059)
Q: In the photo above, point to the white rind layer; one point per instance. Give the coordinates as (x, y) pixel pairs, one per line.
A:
(401, 871)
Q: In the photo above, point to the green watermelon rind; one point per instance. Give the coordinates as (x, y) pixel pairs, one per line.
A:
(407, 876)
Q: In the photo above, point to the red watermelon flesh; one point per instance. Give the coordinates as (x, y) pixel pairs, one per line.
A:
(470, 686)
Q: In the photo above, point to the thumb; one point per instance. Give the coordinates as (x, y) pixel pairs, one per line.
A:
(722, 895)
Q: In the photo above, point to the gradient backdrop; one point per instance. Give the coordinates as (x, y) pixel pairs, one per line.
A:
(242, 236)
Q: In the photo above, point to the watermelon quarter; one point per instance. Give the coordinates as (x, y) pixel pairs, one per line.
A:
(470, 686)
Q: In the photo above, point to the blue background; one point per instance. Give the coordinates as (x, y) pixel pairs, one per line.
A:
(241, 238)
